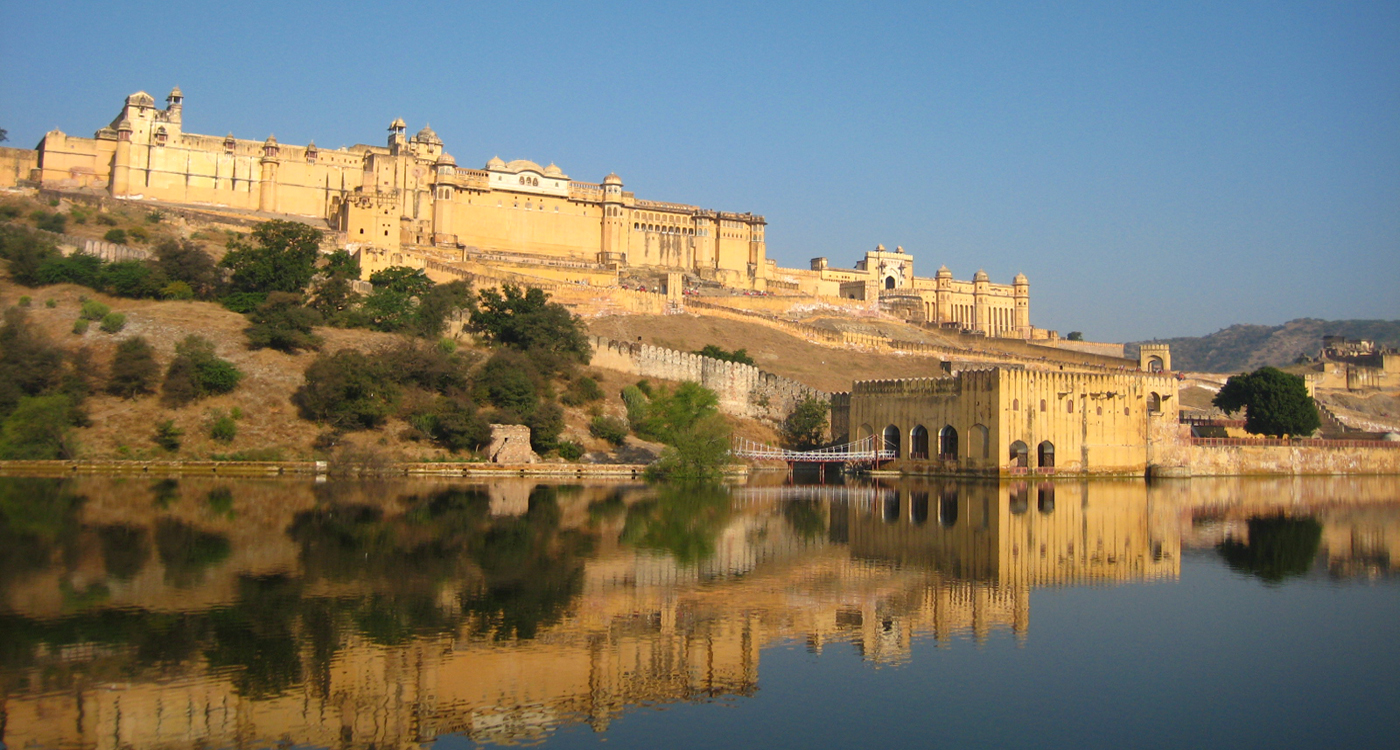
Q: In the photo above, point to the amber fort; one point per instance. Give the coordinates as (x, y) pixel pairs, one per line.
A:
(408, 201)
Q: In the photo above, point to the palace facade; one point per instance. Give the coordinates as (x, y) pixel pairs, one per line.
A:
(410, 195)
(407, 192)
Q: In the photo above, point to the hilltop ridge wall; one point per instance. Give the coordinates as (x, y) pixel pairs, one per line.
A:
(743, 390)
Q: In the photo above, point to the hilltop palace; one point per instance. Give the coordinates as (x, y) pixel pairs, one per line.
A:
(410, 195)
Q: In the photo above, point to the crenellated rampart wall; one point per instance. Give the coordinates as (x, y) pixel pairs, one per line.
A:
(743, 390)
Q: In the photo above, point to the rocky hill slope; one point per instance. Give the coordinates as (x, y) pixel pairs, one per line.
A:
(1244, 347)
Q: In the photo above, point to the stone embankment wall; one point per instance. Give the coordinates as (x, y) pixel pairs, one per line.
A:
(743, 390)
(1181, 455)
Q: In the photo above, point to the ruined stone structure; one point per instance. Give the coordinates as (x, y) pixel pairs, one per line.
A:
(510, 444)
(1356, 365)
(407, 192)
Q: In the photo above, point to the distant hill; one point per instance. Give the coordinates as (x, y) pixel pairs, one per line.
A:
(1244, 347)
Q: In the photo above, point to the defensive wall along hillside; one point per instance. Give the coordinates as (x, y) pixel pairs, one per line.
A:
(743, 390)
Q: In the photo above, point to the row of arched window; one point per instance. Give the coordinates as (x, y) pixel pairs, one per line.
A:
(948, 447)
(946, 508)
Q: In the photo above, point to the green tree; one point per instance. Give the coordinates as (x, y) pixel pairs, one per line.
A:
(672, 413)
(186, 261)
(698, 451)
(805, 427)
(715, 352)
(197, 372)
(410, 281)
(1275, 402)
(278, 256)
(134, 368)
(528, 320)
(283, 323)
(39, 428)
(434, 307)
(333, 294)
(347, 390)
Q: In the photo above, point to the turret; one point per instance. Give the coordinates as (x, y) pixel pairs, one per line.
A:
(121, 160)
(174, 104)
(981, 286)
(614, 249)
(1021, 295)
(397, 140)
(267, 190)
(943, 295)
(1155, 357)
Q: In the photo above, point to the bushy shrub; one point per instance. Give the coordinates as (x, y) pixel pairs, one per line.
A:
(51, 303)
(570, 451)
(582, 391)
(30, 364)
(113, 322)
(80, 326)
(636, 402)
(611, 429)
(51, 222)
(177, 290)
(509, 381)
(78, 268)
(107, 220)
(137, 234)
(347, 390)
(134, 368)
(457, 425)
(284, 324)
(546, 423)
(94, 310)
(197, 372)
(222, 427)
(168, 435)
(25, 301)
(130, 278)
(243, 302)
(117, 236)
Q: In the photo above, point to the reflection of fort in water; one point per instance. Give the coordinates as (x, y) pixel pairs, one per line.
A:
(877, 567)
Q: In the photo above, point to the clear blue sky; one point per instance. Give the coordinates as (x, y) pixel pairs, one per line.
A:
(1156, 169)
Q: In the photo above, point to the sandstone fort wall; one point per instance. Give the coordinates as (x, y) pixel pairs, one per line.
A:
(743, 390)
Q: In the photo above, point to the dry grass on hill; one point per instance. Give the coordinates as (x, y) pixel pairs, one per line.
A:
(780, 353)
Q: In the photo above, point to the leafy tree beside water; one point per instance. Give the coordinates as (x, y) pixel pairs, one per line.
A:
(805, 428)
(1275, 403)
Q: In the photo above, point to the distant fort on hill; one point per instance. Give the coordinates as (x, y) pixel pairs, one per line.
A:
(409, 200)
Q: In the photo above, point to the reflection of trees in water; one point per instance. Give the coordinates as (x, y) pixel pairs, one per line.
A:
(806, 518)
(125, 550)
(258, 636)
(531, 569)
(188, 552)
(1278, 547)
(683, 520)
(38, 517)
(524, 571)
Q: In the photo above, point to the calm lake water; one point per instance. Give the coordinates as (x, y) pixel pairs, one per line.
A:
(212, 613)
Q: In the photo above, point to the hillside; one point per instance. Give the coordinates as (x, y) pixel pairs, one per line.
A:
(822, 367)
(1246, 347)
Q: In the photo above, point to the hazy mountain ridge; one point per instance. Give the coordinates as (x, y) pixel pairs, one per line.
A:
(1243, 347)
